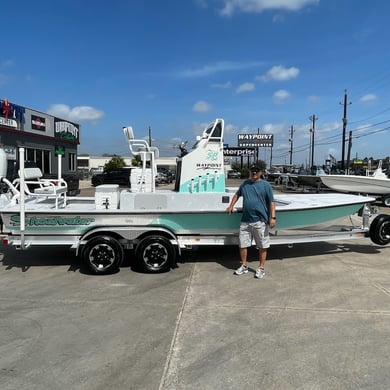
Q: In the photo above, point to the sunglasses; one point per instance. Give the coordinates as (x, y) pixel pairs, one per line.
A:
(255, 171)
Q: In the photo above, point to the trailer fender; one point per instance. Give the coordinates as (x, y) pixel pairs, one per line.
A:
(380, 229)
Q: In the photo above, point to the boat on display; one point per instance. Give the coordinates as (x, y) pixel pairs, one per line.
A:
(377, 184)
(311, 180)
(155, 224)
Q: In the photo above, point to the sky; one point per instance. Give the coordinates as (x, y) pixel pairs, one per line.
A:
(173, 66)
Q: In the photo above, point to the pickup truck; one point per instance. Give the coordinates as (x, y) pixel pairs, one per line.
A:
(72, 179)
(119, 176)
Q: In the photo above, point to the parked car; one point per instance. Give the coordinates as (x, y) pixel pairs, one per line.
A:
(166, 175)
(119, 176)
(161, 178)
(233, 174)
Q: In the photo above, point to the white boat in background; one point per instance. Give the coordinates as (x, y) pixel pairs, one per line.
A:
(311, 180)
(155, 224)
(377, 184)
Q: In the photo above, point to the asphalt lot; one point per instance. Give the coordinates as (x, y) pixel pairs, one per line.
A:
(319, 320)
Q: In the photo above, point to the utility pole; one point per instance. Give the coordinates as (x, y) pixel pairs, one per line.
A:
(291, 143)
(344, 128)
(313, 119)
(349, 149)
(150, 136)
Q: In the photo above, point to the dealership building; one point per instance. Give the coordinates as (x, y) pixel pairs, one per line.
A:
(43, 137)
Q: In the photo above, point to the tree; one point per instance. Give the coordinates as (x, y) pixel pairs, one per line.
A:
(136, 161)
(115, 163)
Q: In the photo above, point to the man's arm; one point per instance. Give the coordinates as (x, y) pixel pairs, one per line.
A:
(232, 203)
(272, 215)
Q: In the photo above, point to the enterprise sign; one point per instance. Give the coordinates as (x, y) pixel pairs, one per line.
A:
(238, 152)
(255, 140)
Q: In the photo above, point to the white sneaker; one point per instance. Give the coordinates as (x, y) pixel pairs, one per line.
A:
(260, 273)
(242, 270)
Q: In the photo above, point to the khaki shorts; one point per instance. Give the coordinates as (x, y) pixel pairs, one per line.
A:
(257, 231)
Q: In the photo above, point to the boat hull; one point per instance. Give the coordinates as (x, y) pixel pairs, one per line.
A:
(292, 211)
(357, 184)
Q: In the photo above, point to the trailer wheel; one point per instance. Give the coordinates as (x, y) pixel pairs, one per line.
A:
(386, 200)
(380, 229)
(155, 254)
(103, 255)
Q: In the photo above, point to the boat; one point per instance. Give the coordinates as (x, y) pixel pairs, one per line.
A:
(378, 184)
(155, 224)
(311, 180)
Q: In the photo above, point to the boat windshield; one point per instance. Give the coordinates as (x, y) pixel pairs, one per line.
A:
(213, 133)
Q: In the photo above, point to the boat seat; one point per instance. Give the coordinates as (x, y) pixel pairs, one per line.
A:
(141, 148)
(34, 185)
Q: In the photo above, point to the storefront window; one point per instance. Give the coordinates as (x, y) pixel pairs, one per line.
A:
(46, 161)
(40, 157)
(72, 162)
(30, 154)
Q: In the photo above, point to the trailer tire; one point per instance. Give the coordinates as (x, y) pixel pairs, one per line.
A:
(155, 254)
(386, 200)
(103, 255)
(380, 229)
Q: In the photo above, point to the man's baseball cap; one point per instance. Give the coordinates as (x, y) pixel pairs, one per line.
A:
(255, 167)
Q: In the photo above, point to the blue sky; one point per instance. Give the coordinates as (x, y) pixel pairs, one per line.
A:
(176, 65)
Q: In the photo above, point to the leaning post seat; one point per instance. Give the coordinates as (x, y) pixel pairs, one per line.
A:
(49, 188)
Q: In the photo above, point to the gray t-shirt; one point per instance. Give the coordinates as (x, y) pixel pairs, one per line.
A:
(257, 196)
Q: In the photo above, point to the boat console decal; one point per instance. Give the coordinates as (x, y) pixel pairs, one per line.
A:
(56, 220)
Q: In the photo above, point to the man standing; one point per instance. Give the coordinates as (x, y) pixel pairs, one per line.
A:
(258, 214)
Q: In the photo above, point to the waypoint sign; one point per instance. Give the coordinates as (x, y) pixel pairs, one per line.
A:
(255, 140)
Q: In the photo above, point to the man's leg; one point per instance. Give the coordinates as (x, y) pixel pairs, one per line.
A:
(262, 257)
(243, 256)
(243, 269)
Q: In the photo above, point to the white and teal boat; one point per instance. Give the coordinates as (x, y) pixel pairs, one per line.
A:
(155, 224)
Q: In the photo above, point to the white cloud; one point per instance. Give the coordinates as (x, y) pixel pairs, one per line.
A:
(369, 98)
(281, 96)
(218, 67)
(280, 73)
(226, 85)
(201, 3)
(312, 99)
(274, 128)
(258, 6)
(245, 87)
(76, 114)
(201, 106)
(6, 64)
